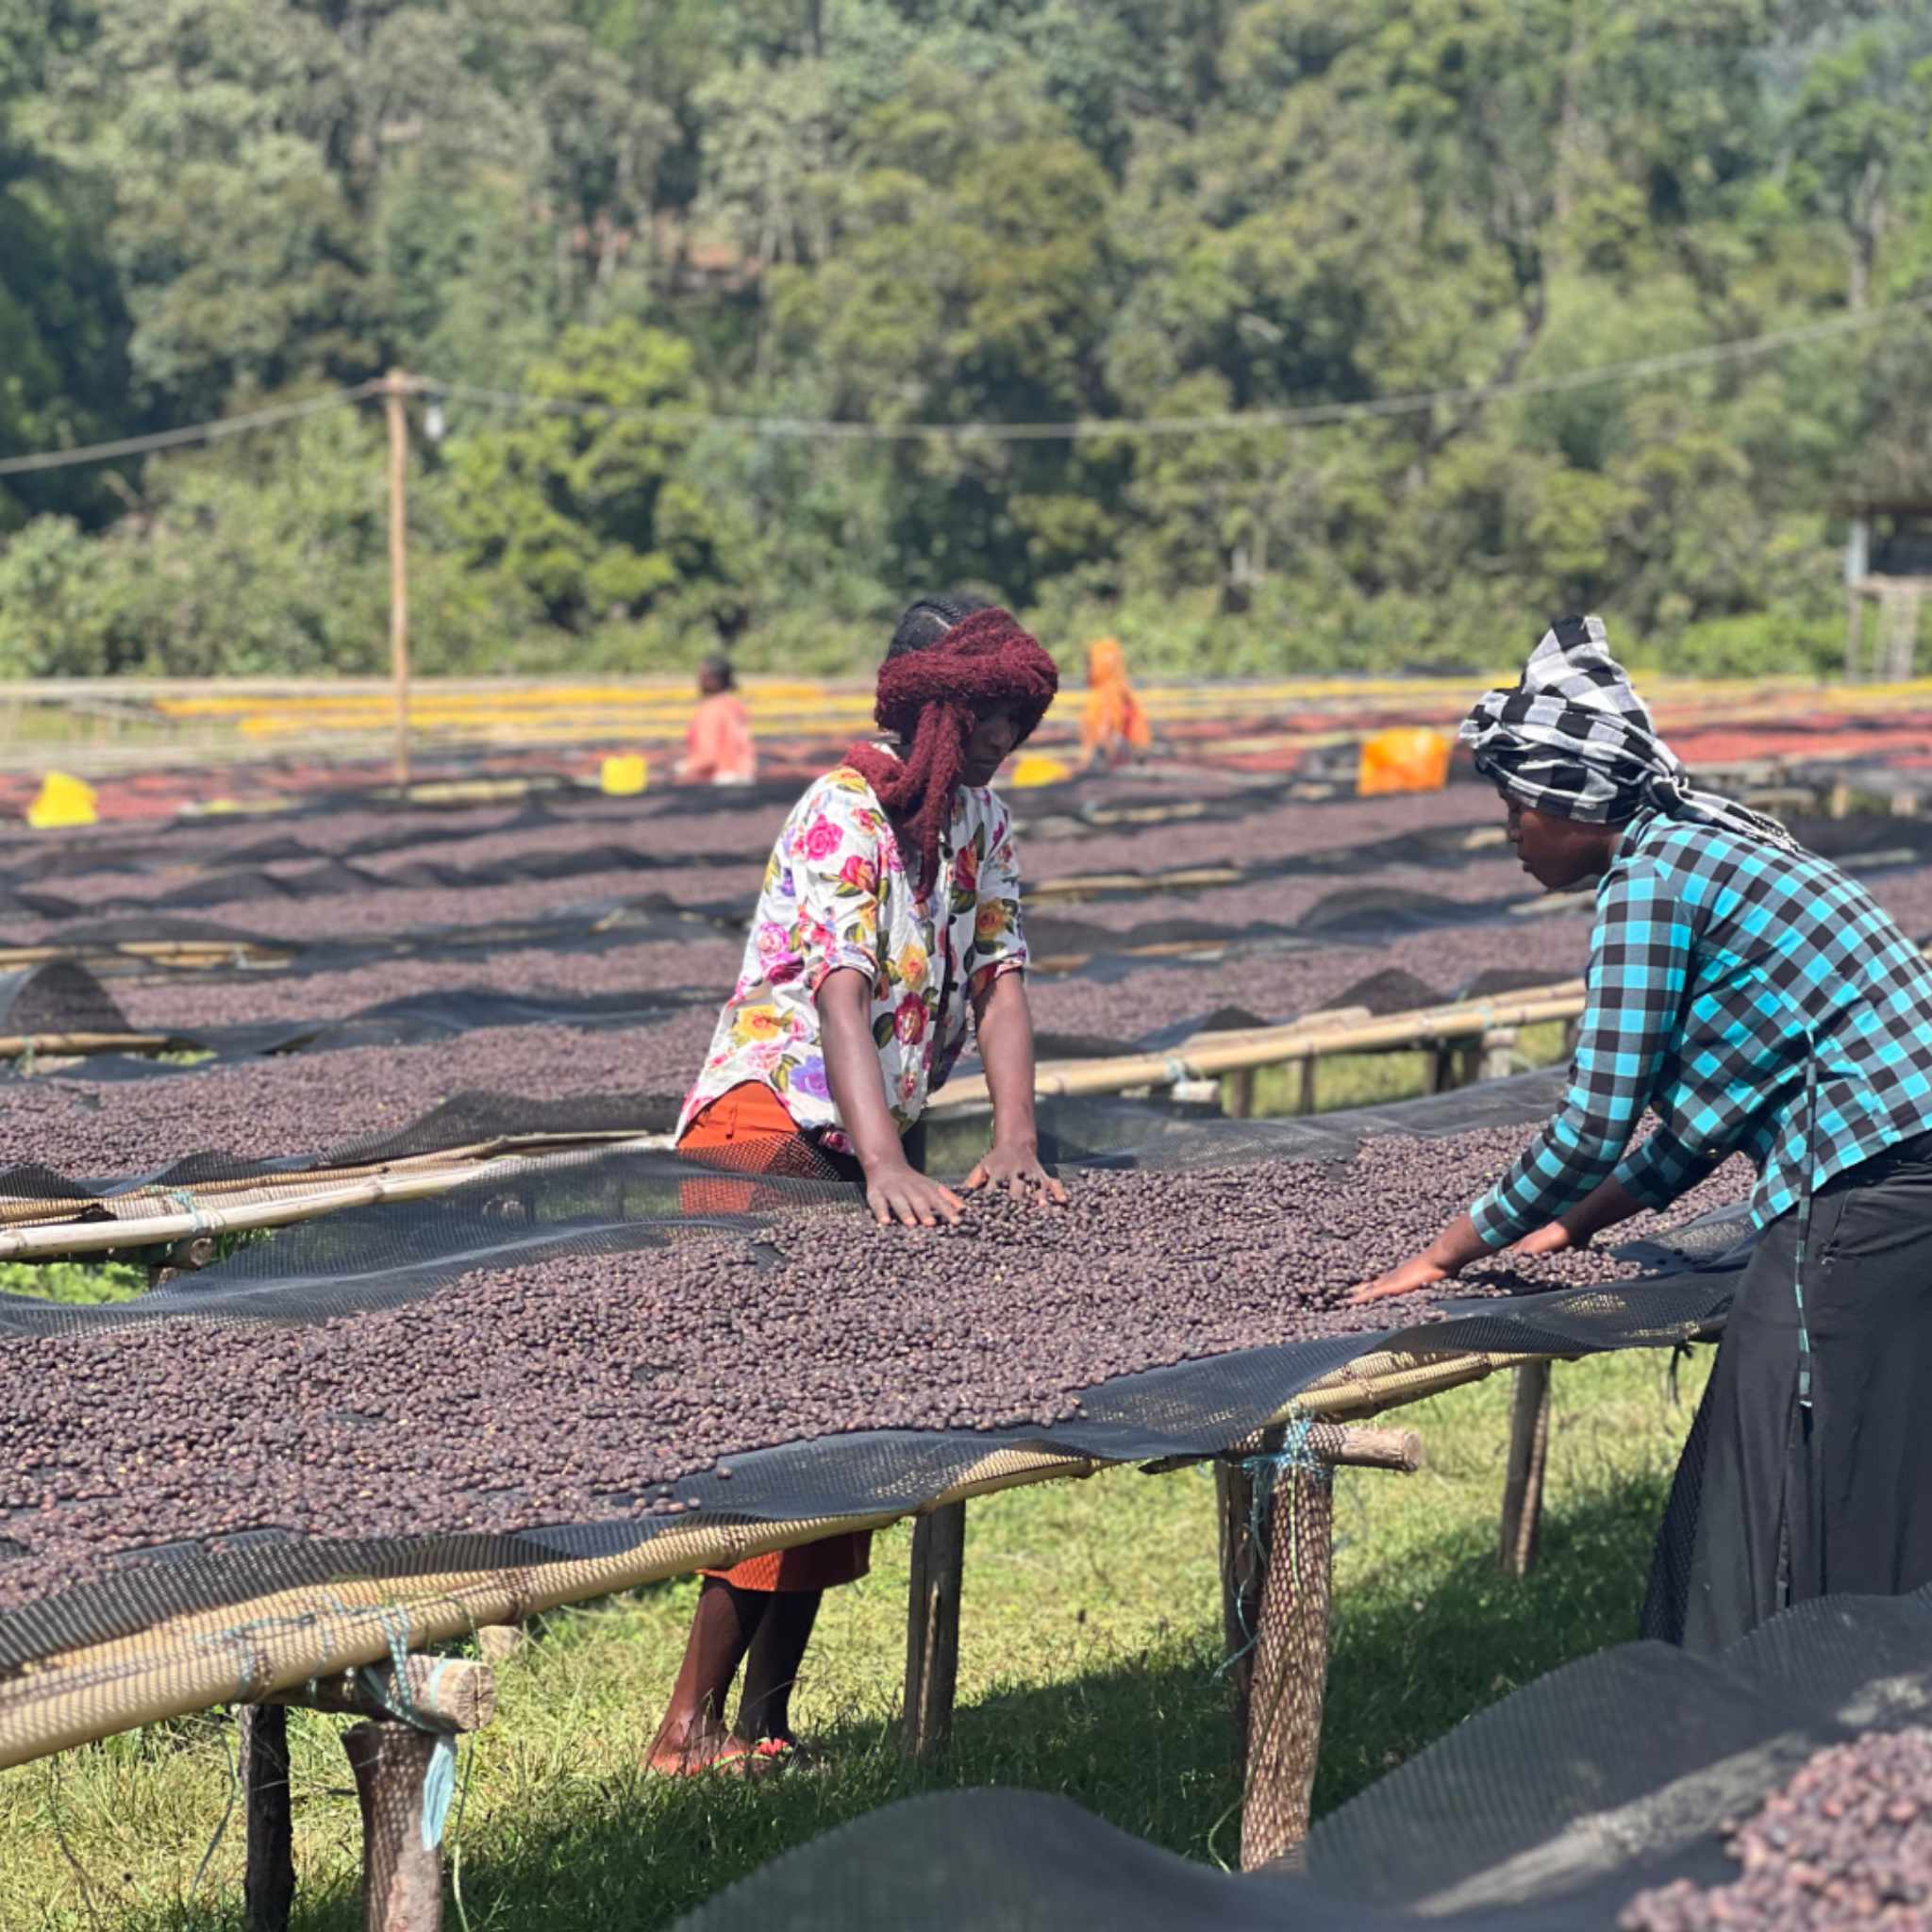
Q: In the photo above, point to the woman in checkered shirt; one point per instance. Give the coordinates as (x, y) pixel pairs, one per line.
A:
(1757, 1001)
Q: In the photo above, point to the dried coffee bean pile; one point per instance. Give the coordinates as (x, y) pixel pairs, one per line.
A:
(302, 1104)
(1277, 986)
(1846, 1846)
(369, 909)
(1291, 829)
(187, 1001)
(580, 1390)
(1288, 902)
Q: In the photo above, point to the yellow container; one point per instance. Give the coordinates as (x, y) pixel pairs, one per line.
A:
(61, 801)
(1038, 768)
(625, 776)
(1403, 759)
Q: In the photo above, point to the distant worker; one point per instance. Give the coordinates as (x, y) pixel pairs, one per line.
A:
(717, 748)
(1113, 725)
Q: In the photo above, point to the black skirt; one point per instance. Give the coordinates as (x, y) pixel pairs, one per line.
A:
(1776, 1500)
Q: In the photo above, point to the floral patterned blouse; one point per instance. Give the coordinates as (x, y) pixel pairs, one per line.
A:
(837, 893)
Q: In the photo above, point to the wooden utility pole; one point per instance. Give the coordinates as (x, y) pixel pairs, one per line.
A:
(397, 392)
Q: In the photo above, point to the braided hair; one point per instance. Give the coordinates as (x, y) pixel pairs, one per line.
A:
(950, 659)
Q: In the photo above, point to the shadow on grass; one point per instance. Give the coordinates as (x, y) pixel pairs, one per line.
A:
(1416, 1649)
(1146, 1744)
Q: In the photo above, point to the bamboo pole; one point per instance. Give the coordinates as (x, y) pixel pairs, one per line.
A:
(152, 1230)
(397, 392)
(1206, 1056)
(167, 952)
(26, 1209)
(78, 1045)
(1083, 884)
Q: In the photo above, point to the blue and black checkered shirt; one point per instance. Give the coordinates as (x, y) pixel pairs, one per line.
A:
(1718, 966)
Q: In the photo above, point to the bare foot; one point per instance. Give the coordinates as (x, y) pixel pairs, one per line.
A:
(707, 1750)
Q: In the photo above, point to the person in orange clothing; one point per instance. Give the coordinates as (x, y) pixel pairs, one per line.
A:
(887, 933)
(1113, 725)
(717, 748)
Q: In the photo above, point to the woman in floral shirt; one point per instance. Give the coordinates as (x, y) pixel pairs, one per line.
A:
(889, 914)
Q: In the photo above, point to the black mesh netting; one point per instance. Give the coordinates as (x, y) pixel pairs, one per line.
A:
(333, 877)
(62, 997)
(1551, 1809)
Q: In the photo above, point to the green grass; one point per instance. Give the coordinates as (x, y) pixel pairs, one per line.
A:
(1374, 1080)
(83, 1283)
(1090, 1655)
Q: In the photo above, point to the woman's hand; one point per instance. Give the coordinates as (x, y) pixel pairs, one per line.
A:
(1450, 1253)
(1418, 1272)
(1018, 1170)
(1553, 1238)
(895, 1192)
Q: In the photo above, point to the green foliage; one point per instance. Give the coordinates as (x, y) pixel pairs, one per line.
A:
(78, 1284)
(907, 212)
(585, 508)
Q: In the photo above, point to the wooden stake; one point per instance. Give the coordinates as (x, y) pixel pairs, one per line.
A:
(932, 1631)
(397, 392)
(497, 1643)
(1240, 1588)
(456, 1693)
(268, 1886)
(1496, 1058)
(1522, 1484)
(1287, 1662)
(402, 1878)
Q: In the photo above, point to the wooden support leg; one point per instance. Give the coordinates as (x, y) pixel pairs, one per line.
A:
(1496, 1054)
(1237, 1094)
(1240, 1591)
(402, 1878)
(1304, 1085)
(268, 1888)
(496, 1643)
(1438, 1073)
(1290, 1665)
(1276, 1569)
(1522, 1487)
(932, 1631)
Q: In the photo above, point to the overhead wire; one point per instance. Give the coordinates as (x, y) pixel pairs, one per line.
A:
(220, 426)
(830, 429)
(1307, 415)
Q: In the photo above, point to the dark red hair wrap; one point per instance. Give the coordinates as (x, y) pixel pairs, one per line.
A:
(931, 700)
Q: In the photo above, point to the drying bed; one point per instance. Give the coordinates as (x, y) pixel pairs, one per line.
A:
(299, 1106)
(132, 1429)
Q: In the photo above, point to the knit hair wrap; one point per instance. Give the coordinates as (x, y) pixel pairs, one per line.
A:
(1574, 740)
(931, 700)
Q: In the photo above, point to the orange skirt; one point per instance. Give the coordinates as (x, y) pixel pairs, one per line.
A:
(750, 1126)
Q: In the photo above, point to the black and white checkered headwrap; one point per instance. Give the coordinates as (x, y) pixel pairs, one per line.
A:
(1573, 738)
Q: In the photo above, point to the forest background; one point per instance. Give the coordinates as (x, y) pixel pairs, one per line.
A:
(892, 213)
